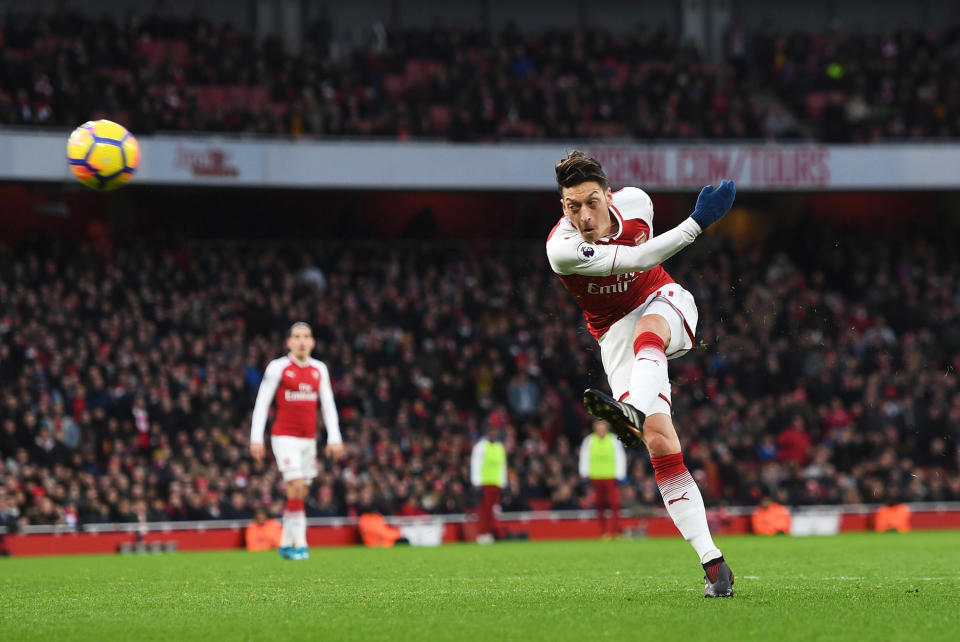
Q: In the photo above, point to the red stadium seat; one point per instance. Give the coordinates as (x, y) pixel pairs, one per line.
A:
(236, 96)
(179, 52)
(257, 98)
(363, 126)
(278, 109)
(394, 85)
(418, 72)
(440, 117)
(209, 97)
(116, 74)
(159, 51)
(815, 101)
(18, 54)
(540, 504)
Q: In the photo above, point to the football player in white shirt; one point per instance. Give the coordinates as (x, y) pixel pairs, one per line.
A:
(604, 251)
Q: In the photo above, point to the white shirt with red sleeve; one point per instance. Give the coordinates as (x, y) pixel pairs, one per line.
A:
(613, 276)
(297, 388)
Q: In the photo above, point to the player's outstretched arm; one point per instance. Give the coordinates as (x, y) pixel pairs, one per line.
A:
(268, 388)
(331, 420)
(712, 204)
(575, 256)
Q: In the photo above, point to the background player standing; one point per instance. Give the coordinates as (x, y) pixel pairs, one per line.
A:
(488, 474)
(604, 252)
(604, 463)
(296, 381)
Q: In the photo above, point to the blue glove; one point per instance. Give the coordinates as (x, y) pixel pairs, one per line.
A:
(712, 203)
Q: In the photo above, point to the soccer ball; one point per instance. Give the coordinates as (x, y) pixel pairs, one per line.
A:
(102, 154)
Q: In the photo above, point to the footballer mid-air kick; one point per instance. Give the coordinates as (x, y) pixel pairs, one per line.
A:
(604, 251)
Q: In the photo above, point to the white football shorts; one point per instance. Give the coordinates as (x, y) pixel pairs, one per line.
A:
(674, 304)
(296, 457)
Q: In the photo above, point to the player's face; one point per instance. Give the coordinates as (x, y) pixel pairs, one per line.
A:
(301, 343)
(587, 206)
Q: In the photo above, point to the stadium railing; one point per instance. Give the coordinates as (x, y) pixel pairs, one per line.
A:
(519, 517)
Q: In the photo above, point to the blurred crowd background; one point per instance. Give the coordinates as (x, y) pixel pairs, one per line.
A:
(160, 70)
(827, 366)
(826, 373)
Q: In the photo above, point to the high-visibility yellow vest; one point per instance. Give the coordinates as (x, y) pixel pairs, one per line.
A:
(494, 459)
(602, 457)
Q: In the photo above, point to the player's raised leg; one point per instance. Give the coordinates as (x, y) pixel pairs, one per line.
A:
(646, 403)
(646, 376)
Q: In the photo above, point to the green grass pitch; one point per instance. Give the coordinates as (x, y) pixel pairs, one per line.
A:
(849, 587)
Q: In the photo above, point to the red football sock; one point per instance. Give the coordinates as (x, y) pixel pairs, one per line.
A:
(683, 501)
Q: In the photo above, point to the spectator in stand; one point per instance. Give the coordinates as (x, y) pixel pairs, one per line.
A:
(236, 508)
(852, 85)
(410, 508)
(460, 83)
(793, 444)
(164, 72)
(123, 512)
(45, 512)
(180, 324)
(563, 498)
(513, 500)
(523, 395)
(323, 503)
(8, 514)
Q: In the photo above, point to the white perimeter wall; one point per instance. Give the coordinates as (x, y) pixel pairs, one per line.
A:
(276, 162)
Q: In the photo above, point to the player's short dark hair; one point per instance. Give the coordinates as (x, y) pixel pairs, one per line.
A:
(579, 168)
(298, 324)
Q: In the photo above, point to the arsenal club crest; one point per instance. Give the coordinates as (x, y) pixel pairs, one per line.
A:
(640, 238)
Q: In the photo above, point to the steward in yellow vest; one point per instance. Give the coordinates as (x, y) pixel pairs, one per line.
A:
(604, 462)
(488, 472)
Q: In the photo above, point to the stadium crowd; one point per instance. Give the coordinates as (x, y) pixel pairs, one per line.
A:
(155, 71)
(860, 86)
(827, 373)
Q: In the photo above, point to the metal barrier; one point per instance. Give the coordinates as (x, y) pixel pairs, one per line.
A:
(459, 518)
